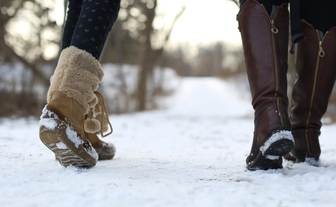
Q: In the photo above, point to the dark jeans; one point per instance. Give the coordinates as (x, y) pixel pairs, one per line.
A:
(88, 23)
(320, 13)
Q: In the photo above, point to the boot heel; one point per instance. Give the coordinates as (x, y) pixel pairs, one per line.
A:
(279, 148)
(271, 152)
(262, 162)
(279, 144)
(69, 149)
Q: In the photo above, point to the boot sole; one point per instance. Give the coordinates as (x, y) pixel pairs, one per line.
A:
(279, 148)
(106, 157)
(68, 154)
(101, 157)
(270, 158)
(263, 163)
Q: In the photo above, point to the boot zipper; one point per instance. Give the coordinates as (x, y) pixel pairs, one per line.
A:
(274, 31)
(320, 55)
(273, 28)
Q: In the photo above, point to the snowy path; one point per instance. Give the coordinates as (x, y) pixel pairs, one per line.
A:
(190, 155)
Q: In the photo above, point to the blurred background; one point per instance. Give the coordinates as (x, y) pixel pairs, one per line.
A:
(152, 44)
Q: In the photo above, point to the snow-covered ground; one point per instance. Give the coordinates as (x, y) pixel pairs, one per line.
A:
(191, 154)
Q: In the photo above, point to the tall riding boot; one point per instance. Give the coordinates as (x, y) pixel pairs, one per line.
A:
(315, 71)
(265, 44)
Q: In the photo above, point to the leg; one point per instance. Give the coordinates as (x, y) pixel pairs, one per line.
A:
(95, 22)
(70, 97)
(67, 126)
(315, 71)
(267, 4)
(265, 44)
(74, 10)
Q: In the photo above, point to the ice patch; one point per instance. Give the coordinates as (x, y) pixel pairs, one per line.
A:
(275, 137)
(61, 145)
(48, 123)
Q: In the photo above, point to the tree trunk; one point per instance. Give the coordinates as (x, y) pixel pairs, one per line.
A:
(146, 63)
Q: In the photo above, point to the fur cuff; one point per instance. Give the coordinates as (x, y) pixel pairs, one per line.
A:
(77, 75)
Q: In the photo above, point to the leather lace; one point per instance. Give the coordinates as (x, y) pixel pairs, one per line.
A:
(101, 107)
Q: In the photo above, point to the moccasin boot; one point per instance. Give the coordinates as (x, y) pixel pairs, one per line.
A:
(99, 125)
(315, 70)
(265, 44)
(70, 97)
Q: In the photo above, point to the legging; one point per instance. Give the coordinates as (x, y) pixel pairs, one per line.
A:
(88, 23)
(320, 13)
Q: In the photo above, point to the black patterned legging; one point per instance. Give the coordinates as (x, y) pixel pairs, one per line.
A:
(88, 23)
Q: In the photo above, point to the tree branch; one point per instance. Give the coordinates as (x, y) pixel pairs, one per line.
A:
(25, 62)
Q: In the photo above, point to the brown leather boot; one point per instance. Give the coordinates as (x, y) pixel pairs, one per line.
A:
(70, 97)
(265, 44)
(315, 71)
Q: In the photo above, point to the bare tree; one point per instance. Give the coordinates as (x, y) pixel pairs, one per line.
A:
(27, 30)
(134, 30)
(151, 57)
(38, 32)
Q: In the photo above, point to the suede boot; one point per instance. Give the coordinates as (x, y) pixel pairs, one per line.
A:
(70, 97)
(265, 44)
(98, 125)
(315, 72)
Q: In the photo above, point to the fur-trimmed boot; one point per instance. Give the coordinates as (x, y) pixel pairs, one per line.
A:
(315, 71)
(265, 44)
(99, 124)
(70, 97)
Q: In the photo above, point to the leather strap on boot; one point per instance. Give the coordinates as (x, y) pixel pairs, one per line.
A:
(101, 122)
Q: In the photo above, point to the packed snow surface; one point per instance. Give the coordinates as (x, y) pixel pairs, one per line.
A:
(190, 154)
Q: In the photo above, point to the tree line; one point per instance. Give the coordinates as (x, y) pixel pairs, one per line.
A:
(31, 35)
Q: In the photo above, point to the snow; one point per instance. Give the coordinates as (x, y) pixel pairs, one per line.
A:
(190, 154)
(46, 112)
(72, 135)
(51, 123)
(120, 92)
(61, 145)
(283, 134)
(48, 123)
